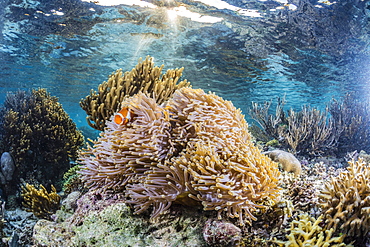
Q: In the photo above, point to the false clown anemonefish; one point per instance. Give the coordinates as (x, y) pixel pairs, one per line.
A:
(123, 116)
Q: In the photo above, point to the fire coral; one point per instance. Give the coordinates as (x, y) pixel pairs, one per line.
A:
(195, 148)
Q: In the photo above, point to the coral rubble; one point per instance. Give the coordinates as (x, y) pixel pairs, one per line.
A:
(195, 148)
(146, 78)
(39, 201)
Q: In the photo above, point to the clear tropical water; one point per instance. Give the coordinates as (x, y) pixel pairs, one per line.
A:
(243, 50)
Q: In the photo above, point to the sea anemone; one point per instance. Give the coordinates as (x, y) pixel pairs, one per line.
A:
(194, 148)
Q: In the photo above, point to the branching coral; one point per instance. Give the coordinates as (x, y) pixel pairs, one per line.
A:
(39, 201)
(307, 131)
(352, 121)
(307, 232)
(197, 147)
(271, 124)
(345, 200)
(310, 130)
(39, 134)
(145, 78)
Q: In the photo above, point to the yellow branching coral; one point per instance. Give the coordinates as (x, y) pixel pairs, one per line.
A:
(145, 78)
(345, 200)
(195, 148)
(307, 232)
(39, 201)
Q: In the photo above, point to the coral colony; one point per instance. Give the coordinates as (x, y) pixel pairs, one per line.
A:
(39, 135)
(165, 146)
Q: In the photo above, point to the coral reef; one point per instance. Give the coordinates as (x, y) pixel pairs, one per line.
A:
(344, 126)
(39, 201)
(105, 221)
(146, 78)
(352, 122)
(287, 160)
(306, 231)
(302, 194)
(196, 148)
(308, 131)
(40, 136)
(220, 233)
(18, 228)
(345, 201)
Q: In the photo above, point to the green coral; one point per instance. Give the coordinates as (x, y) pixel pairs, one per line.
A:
(72, 179)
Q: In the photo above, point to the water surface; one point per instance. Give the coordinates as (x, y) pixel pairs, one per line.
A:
(243, 50)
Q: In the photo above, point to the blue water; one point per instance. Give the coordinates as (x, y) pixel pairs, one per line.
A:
(242, 50)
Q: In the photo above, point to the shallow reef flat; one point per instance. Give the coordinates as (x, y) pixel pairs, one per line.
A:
(182, 167)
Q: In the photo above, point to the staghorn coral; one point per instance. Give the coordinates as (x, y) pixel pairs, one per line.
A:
(146, 78)
(39, 201)
(345, 200)
(195, 149)
(40, 136)
(306, 231)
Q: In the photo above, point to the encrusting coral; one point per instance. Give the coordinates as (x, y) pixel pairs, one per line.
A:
(194, 148)
(306, 231)
(40, 136)
(345, 200)
(146, 78)
(39, 201)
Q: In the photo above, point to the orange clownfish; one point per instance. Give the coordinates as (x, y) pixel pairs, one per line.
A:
(123, 116)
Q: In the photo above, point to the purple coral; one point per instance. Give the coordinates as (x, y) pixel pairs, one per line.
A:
(220, 233)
